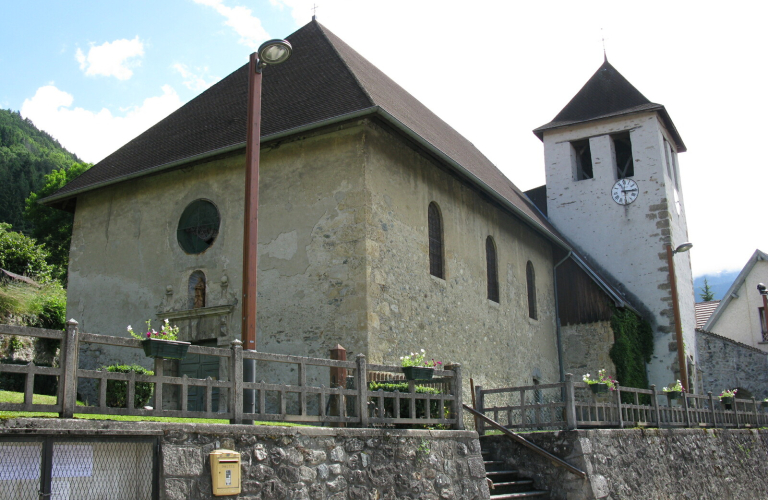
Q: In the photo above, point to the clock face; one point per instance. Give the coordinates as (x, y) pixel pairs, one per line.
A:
(625, 191)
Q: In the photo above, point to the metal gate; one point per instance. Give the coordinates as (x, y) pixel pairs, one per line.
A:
(78, 468)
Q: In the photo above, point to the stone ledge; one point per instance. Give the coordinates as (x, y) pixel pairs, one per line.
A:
(112, 427)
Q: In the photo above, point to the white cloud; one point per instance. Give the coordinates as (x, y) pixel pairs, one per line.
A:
(93, 135)
(111, 58)
(193, 80)
(241, 20)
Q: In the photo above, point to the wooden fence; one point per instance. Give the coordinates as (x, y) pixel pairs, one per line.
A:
(572, 405)
(350, 404)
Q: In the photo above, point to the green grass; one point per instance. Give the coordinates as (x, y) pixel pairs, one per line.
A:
(18, 397)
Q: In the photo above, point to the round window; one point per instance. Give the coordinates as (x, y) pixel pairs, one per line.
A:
(198, 226)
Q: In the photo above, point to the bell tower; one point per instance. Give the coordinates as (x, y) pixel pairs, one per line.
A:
(613, 188)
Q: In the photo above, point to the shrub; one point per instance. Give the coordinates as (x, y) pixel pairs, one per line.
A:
(434, 405)
(117, 390)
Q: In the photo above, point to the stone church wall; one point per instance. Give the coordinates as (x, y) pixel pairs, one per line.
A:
(452, 318)
(586, 348)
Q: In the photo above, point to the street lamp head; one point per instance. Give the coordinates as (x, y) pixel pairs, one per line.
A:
(762, 289)
(274, 51)
(684, 247)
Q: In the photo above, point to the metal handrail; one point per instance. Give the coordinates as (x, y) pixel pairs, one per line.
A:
(520, 439)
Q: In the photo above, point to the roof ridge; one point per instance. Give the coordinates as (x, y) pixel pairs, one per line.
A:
(344, 61)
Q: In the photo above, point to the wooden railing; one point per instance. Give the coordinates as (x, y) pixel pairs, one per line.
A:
(311, 402)
(572, 405)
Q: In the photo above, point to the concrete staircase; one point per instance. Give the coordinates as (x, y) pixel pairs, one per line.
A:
(507, 484)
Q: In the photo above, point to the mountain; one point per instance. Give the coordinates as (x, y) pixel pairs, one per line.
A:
(27, 154)
(719, 283)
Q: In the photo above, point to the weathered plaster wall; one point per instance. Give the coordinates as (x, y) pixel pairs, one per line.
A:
(586, 348)
(643, 464)
(127, 264)
(307, 463)
(452, 318)
(740, 320)
(627, 242)
(726, 364)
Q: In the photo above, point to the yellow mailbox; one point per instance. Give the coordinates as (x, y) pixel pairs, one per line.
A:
(225, 472)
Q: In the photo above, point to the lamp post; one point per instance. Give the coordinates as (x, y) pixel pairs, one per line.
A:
(270, 52)
(676, 310)
(764, 320)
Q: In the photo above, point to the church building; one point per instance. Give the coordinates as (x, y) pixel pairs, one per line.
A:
(381, 228)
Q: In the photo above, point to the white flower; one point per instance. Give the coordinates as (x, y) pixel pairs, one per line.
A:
(422, 350)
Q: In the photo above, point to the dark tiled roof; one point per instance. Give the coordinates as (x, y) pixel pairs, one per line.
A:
(704, 310)
(539, 198)
(324, 78)
(607, 94)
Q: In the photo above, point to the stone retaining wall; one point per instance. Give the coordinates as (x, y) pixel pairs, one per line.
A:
(302, 463)
(646, 464)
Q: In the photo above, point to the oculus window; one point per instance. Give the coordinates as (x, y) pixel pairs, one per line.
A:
(198, 226)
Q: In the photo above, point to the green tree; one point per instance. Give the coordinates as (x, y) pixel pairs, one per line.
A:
(53, 227)
(706, 292)
(22, 255)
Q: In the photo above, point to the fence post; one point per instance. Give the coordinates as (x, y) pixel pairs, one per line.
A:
(338, 380)
(570, 403)
(457, 386)
(712, 409)
(69, 361)
(236, 377)
(480, 398)
(687, 413)
(618, 406)
(655, 401)
(158, 384)
(361, 375)
(754, 409)
(736, 413)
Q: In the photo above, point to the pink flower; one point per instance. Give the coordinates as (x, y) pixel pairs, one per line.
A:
(149, 334)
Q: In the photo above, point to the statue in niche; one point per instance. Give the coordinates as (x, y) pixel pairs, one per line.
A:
(199, 295)
(196, 291)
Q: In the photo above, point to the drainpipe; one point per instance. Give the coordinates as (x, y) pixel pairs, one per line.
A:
(557, 320)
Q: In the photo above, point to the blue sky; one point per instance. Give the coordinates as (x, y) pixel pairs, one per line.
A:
(94, 74)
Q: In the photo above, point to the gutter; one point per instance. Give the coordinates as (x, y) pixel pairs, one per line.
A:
(557, 320)
(209, 154)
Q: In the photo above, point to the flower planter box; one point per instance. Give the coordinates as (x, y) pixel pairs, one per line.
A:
(598, 388)
(167, 349)
(727, 402)
(764, 404)
(673, 395)
(418, 373)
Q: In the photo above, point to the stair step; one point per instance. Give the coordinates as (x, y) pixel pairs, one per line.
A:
(519, 482)
(527, 494)
(492, 473)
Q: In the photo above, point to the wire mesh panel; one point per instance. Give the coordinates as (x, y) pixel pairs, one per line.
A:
(78, 468)
(114, 469)
(20, 469)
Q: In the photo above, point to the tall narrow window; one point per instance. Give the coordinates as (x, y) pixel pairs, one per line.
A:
(763, 326)
(622, 146)
(583, 157)
(435, 223)
(492, 268)
(530, 278)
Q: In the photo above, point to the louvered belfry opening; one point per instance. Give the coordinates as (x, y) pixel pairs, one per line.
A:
(435, 224)
(492, 267)
(530, 278)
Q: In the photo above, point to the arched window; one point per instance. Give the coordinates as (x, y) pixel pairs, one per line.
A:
(492, 269)
(196, 290)
(435, 223)
(530, 277)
